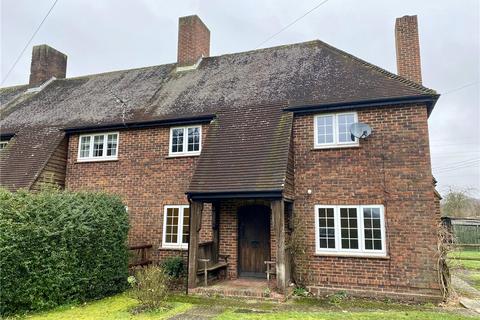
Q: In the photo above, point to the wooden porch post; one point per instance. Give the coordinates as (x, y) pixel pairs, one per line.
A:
(279, 227)
(196, 209)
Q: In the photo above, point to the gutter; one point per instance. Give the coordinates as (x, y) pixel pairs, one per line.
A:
(141, 124)
(429, 100)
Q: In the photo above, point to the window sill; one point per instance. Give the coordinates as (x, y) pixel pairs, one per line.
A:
(352, 255)
(346, 146)
(171, 156)
(96, 160)
(173, 248)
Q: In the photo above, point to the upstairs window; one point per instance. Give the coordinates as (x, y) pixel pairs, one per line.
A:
(185, 141)
(333, 130)
(350, 230)
(3, 143)
(98, 147)
(176, 226)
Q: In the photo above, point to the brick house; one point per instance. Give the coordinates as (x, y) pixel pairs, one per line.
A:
(247, 155)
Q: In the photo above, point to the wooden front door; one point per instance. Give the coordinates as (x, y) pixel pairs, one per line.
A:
(253, 241)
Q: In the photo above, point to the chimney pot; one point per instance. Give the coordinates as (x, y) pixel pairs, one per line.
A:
(47, 63)
(408, 48)
(193, 40)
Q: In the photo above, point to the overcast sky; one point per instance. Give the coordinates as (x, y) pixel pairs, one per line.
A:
(105, 35)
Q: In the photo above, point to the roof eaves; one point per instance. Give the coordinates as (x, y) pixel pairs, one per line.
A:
(141, 124)
(430, 100)
(205, 196)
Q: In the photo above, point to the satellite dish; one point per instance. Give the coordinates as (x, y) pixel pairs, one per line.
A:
(360, 130)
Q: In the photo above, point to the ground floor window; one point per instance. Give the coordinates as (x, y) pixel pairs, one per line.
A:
(351, 230)
(175, 226)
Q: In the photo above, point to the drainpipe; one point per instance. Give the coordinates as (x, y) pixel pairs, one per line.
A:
(188, 247)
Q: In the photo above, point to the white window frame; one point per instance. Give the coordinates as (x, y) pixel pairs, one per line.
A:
(361, 251)
(179, 244)
(185, 151)
(335, 143)
(104, 157)
(4, 144)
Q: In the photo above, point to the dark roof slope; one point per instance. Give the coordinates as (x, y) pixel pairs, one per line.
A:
(311, 71)
(25, 156)
(246, 150)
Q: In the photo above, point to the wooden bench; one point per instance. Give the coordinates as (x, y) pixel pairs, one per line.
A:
(211, 267)
(271, 269)
(209, 260)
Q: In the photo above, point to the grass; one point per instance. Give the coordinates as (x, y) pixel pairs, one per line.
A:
(465, 254)
(119, 307)
(467, 260)
(376, 315)
(116, 307)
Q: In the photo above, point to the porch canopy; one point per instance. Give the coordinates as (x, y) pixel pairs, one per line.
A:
(245, 156)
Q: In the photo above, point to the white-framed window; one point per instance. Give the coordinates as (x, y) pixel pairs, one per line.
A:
(350, 230)
(185, 140)
(3, 144)
(98, 146)
(333, 130)
(176, 221)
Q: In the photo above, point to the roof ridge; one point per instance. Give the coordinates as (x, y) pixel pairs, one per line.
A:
(380, 70)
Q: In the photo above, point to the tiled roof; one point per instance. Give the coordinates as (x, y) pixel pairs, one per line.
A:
(311, 71)
(246, 150)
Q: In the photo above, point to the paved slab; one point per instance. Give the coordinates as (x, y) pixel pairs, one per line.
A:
(471, 304)
(199, 313)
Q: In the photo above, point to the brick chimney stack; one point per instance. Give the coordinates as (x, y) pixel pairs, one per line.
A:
(193, 40)
(408, 48)
(47, 63)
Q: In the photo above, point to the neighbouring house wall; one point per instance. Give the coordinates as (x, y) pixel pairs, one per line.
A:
(392, 168)
(54, 171)
(146, 179)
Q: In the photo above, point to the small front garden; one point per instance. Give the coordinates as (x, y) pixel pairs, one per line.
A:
(122, 306)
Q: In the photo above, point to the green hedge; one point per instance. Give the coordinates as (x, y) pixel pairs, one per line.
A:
(58, 247)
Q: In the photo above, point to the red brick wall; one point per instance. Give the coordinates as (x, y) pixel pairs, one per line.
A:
(391, 167)
(146, 179)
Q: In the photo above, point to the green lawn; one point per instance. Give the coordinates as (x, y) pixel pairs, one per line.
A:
(119, 307)
(116, 307)
(395, 315)
(468, 260)
(474, 255)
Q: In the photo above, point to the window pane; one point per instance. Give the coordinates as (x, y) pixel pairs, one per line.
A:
(112, 145)
(186, 223)
(326, 230)
(177, 140)
(171, 230)
(193, 139)
(325, 129)
(372, 229)
(349, 232)
(98, 146)
(3, 144)
(344, 123)
(85, 147)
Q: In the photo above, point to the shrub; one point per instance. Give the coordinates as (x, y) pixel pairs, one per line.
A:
(174, 267)
(58, 247)
(150, 287)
